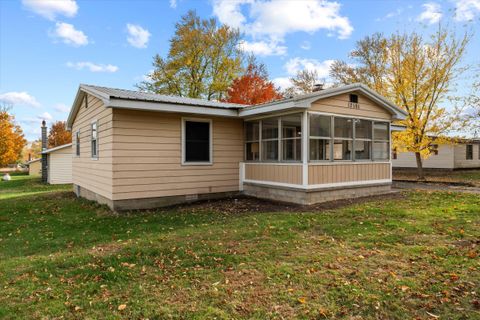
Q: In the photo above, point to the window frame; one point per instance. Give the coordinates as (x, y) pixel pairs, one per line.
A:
(467, 154)
(184, 140)
(329, 139)
(92, 156)
(295, 139)
(352, 139)
(332, 140)
(259, 141)
(77, 143)
(355, 139)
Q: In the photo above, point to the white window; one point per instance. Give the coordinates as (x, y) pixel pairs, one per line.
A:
(320, 137)
(252, 141)
(343, 142)
(469, 155)
(270, 139)
(291, 137)
(196, 141)
(94, 140)
(363, 139)
(77, 143)
(381, 141)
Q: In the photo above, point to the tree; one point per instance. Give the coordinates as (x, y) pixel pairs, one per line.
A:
(303, 82)
(59, 135)
(416, 74)
(12, 140)
(32, 150)
(202, 62)
(253, 87)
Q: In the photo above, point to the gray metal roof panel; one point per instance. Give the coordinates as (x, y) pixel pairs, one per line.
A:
(153, 97)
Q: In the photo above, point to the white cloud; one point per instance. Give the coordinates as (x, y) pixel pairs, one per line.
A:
(45, 116)
(19, 98)
(137, 36)
(391, 14)
(432, 13)
(273, 19)
(263, 48)
(306, 45)
(297, 64)
(93, 67)
(282, 82)
(51, 8)
(69, 35)
(61, 107)
(466, 9)
(173, 4)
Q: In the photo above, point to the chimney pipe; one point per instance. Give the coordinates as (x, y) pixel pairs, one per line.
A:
(44, 156)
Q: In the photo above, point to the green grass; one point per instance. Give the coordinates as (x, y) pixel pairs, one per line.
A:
(399, 258)
(471, 177)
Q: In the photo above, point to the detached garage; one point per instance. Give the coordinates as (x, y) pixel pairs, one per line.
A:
(59, 164)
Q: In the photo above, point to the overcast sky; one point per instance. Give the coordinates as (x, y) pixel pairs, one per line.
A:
(47, 48)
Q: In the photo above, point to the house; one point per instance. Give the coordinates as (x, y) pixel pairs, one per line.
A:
(460, 154)
(134, 150)
(34, 167)
(59, 164)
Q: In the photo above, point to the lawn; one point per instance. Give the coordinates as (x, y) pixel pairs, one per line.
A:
(413, 256)
(468, 177)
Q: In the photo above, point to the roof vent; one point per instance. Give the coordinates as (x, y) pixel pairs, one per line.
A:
(317, 87)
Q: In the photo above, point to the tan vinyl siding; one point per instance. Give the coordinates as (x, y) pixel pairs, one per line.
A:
(147, 153)
(444, 159)
(94, 175)
(60, 166)
(291, 174)
(35, 168)
(340, 105)
(349, 172)
(460, 154)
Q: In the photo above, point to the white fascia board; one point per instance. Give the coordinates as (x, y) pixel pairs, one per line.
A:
(57, 148)
(82, 90)
(169, 107)
(271, 108)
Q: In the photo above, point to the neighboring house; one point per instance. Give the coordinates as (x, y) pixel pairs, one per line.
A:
(134, 150)
(35, 167)
(59, 164)
(462, 154)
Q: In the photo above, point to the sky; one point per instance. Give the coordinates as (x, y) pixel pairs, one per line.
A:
(49, 47)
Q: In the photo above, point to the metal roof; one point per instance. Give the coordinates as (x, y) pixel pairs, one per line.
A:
(153, 97)
(57, 148)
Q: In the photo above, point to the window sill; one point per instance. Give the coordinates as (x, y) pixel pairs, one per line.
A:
(197, 164)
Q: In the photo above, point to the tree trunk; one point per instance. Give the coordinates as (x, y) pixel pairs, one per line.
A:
(421, 175)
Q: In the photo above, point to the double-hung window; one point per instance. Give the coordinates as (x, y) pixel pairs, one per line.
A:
(381, 141)
(291, 137)
(343, 138)
(197, 141)
(363, 139)
(252, 140)
(94, 140)
(469, 155)
(77, 143)
(320, 137)
(270, 135)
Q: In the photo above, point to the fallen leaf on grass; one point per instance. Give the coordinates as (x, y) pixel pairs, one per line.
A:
(404, 288)
(302, 300)
(122, 307)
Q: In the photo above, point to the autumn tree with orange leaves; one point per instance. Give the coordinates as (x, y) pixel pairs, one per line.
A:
(59, 135)
(253, 87)
(12, 140)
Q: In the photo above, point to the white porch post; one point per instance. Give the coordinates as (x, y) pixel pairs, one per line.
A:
(305, 134)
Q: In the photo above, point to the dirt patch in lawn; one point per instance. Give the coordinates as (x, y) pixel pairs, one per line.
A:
(247, 205)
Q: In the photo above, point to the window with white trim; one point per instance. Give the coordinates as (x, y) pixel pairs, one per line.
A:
(381, 141)
(343, 138)
(77, 143)
(469, 149)
(252, 140)
(291, 137)
(270, 139)
(197, 141)
(363, 139)
(94, 140)
(320, 137)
